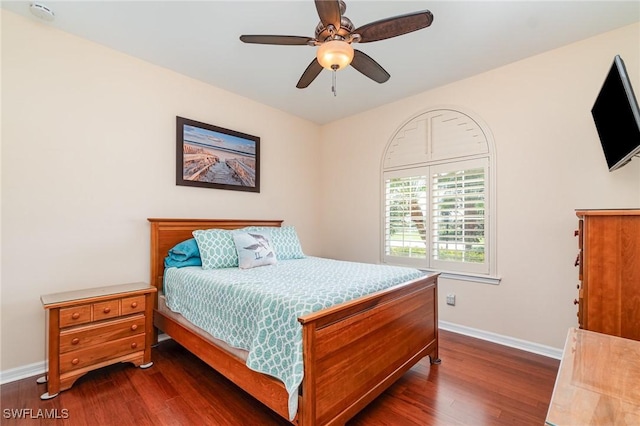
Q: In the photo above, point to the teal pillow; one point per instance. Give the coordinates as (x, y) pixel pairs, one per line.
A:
(172, 263)
(217, 249)
(254, 249)
(184, 250)
(285, 241)
(183, 254)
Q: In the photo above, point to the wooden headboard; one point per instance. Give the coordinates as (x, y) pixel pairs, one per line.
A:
(166, 233)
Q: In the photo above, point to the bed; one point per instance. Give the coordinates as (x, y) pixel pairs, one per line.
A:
(351, 352)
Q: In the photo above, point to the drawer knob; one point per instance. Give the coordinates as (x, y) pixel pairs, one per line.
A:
(134, 327)
(75, 315)
(106, 310)
(75, 341)
(134, 345)
(575, 301)
(134, 305)
(75, 361)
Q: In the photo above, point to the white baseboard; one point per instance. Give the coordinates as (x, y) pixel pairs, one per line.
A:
(38, 368)
(512, 342)
(19, 373)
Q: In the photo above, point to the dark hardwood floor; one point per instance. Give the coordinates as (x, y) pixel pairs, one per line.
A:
(478, 383)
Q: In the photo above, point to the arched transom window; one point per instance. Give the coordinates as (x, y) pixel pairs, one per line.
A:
(438, 177)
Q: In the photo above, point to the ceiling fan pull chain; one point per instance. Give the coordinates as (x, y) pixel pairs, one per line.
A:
(333, 80)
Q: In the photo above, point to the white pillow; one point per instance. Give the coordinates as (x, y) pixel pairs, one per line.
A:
(254, 249)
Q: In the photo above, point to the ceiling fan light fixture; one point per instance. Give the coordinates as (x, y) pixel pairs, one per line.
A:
(335, 54)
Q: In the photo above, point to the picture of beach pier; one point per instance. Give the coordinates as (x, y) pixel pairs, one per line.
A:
(218, 158)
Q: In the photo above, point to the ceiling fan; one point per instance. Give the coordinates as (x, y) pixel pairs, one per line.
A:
(334, 35)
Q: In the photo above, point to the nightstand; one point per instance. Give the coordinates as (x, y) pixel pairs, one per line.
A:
(93, 328)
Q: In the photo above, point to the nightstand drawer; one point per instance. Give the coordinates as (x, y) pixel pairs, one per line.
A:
(132, 305)
(106, 310)
(90, 335)
(94, 355)
(75, 315)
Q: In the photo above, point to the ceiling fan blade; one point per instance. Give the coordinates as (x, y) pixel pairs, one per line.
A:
(367, 66)
(276, 39)
(309, 74)
(394, 26)
(329, 12)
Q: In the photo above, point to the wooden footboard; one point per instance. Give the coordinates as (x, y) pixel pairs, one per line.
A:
(354, 351)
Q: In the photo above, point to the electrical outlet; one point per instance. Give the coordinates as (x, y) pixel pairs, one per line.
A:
(451, 299)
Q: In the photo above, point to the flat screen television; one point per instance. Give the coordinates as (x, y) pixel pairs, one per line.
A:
(617, 117)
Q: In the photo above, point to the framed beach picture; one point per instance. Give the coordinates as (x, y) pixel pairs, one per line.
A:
(213, 157)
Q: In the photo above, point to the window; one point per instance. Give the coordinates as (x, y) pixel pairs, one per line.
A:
(438, 197)
(405, 218)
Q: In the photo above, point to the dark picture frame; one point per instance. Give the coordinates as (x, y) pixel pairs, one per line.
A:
(209, 156)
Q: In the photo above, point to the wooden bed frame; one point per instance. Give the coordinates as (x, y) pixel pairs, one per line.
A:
(352, 352)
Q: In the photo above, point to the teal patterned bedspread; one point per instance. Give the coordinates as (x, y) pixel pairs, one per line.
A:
(257, 309)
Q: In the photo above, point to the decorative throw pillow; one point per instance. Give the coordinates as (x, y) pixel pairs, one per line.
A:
(254, 249)
(285, 241)
(217, 248)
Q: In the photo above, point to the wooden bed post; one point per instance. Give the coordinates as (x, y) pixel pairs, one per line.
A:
(307, 408)
(153, 279)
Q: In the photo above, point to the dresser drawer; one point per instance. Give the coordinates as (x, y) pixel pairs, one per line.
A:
(106, 310)
(93, 355)
(83, 337)
(131, 305)
(75, 315)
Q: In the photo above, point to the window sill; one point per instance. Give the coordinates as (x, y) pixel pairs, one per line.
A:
(462, 276)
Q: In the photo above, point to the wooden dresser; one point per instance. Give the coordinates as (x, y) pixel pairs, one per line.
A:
(93, 328)
(609, 272)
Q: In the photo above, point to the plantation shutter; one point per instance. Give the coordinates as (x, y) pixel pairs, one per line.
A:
(406, 215)
(459, 222)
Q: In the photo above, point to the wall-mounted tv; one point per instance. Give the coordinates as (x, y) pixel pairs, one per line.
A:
(617, 117)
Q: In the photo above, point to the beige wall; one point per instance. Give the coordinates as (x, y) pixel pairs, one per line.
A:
(549, 162)
(88, 153)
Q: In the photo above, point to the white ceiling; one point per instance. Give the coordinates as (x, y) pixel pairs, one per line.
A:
(200, 39)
